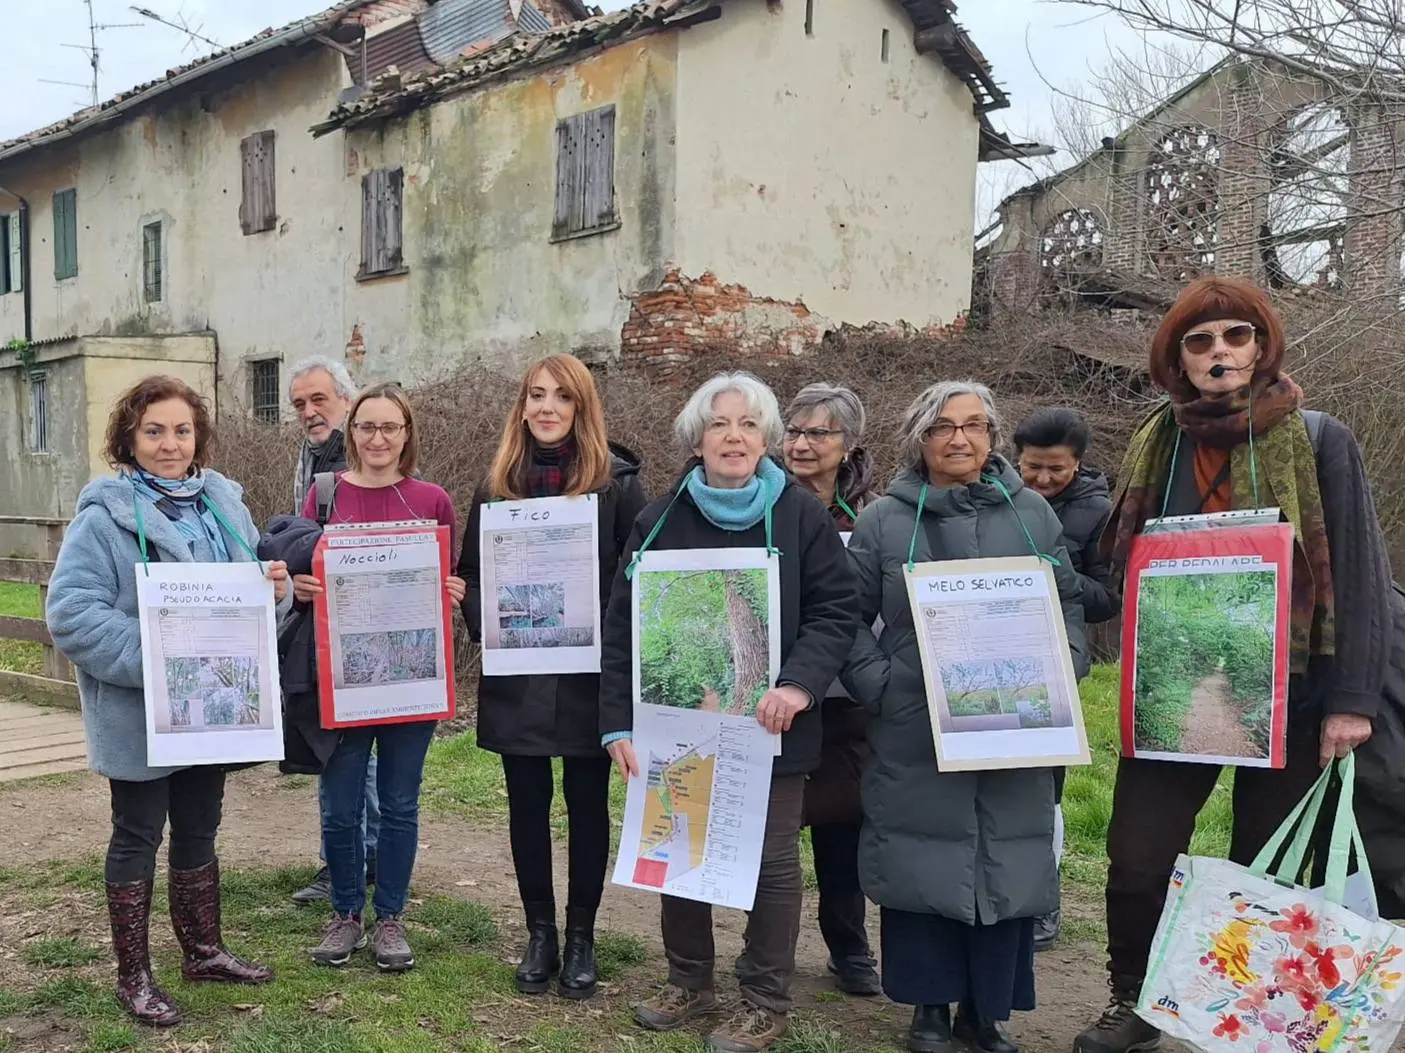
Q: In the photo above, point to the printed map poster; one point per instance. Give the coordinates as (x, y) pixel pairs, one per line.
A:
(209, 657)
(695, 816)
(1000, 682)
(1205, 643)
(384, 625)
(540, 585)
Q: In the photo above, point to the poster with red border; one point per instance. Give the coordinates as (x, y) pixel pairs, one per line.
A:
(385, 641)
(1205, 644)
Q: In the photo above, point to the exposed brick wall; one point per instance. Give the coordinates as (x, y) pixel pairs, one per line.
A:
(1245, 119)
(382, 10)
(1014, 281)
(557, 12)
(1372, 246)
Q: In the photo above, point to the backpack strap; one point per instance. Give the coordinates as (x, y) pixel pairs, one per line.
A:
(324, 485)
(1315, 420)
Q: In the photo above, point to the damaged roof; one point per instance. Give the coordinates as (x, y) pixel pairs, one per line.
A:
(932, 21)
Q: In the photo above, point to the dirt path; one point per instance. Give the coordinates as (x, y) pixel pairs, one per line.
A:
(1212, 727)
(270, 822)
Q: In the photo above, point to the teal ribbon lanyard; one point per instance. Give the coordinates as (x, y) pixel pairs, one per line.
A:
(220, 519)
(844, 507)
(1009, 500)
(654, 532)
(1175, 457)
(141, 532)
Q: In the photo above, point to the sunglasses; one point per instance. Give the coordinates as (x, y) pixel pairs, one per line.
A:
(1235, 336)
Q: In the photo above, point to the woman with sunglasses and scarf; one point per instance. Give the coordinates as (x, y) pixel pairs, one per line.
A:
(162, 505)
(1218, 355)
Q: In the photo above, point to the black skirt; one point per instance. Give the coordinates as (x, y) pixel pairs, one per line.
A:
(931, 960)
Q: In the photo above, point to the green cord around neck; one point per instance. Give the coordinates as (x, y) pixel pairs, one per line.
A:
(654, 530)
(219, 518)
(990, 480)
(1253, 465)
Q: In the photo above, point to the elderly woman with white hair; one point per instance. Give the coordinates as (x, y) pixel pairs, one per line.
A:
(960, 863)
(732, 494)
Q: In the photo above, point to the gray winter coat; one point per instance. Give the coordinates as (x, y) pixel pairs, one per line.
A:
(92, 610)
(963, 845)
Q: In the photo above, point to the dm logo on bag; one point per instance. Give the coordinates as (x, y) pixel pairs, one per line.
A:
(1177, 878)
(1169, 1006)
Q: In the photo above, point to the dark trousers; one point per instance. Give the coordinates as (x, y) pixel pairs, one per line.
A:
(767, 963)
(585, 782)
(842, 905)
(400, 753)
(1154, 806)
(193, 800)
(931, 960)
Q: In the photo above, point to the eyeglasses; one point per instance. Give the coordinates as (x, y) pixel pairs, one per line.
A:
(945, 429)
(813, 436)
(1200, 341)
(367, 430)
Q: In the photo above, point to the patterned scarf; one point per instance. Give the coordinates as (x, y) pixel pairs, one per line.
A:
(182, 502)
(1287, 478)
(549, 467)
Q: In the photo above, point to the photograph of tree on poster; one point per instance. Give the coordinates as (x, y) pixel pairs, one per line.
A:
(1204, 672)
(1012, 687)
(704, 639)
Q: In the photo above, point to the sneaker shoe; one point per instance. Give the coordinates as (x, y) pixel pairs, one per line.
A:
(1046, 930)
(343, 937)
(1118, 1030)
(673, 1007)
(392, 950)
(320, 889)
(750, 1030)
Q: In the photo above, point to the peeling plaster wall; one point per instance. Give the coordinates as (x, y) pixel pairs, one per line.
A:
(811, 170)
(485, 281)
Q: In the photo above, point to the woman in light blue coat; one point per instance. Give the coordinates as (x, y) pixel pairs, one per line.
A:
(162, 505)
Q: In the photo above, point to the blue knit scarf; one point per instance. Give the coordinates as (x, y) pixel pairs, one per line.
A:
(742, 508)
(182, 501)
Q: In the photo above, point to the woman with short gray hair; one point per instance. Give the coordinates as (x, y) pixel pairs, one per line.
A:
(733, 495)
(959, 885)
(823, 426)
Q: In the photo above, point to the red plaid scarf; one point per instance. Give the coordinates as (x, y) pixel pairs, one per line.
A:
(549, 467)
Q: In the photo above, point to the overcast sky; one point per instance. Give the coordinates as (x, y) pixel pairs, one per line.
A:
(1031, 44)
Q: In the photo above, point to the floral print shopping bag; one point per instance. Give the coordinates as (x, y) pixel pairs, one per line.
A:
(1247, 960)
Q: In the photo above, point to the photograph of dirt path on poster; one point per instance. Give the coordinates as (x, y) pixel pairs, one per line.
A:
(1204, 673)
(704, 639)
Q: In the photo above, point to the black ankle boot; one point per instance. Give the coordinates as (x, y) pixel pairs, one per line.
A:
(988, 1036)
(931, 1030)
(542, 958)
(577, 979)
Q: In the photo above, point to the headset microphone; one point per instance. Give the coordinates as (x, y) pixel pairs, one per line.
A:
(1219, 369)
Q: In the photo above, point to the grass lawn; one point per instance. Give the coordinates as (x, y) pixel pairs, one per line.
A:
(460, 997)
(20, 601)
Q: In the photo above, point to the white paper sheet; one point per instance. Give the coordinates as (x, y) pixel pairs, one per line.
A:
(999, 677)
(209, 657)
(695, 816)
(385, 617)
(540, 585)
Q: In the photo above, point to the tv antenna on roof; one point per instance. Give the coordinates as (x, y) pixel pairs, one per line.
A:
(91, 48)
(181, 25)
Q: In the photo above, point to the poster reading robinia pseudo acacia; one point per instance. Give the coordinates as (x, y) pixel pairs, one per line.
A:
(384, 625)
(1000, 682)
(706, 648)
(540, 584)
(1205, 640)
(209, 664)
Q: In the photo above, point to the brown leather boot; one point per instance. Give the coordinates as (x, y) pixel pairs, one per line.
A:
(129, 910)
(195, 915)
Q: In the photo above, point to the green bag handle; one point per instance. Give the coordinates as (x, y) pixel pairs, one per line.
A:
(1300, 824)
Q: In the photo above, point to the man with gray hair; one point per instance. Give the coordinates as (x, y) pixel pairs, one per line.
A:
(321, 392)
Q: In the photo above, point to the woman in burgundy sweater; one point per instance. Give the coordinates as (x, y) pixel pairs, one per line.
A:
(377, 488)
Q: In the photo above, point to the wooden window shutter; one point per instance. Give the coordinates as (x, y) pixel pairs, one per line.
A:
(570, 176)
(370, 243)
(393, 209)
(382, 220)
(65, 234)
(14, 262)
(599, 195)
(258, 211)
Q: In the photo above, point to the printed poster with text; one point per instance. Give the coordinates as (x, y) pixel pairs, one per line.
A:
(384, 625)
(209, 656)
(540, 585)
(1205, 643)
(706, 648)
(1000, 682)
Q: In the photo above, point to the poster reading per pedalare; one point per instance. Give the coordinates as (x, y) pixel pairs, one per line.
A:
(384, 625)
(209, 664)
(540, 584)
(999, 676)
(1205, 641)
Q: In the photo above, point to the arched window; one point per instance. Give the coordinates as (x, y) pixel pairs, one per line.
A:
(1072, 244)
(1182, 182)
(1309, 173)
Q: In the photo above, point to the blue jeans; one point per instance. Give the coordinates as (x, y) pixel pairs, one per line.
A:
(401, 749)
(370, 815)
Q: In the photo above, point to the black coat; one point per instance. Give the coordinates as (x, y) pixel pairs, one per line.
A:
(1083, 507)
(1380, 778)
(818, 604)
(550, 716)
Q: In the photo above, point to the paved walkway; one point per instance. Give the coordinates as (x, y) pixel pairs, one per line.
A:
(36, 740)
